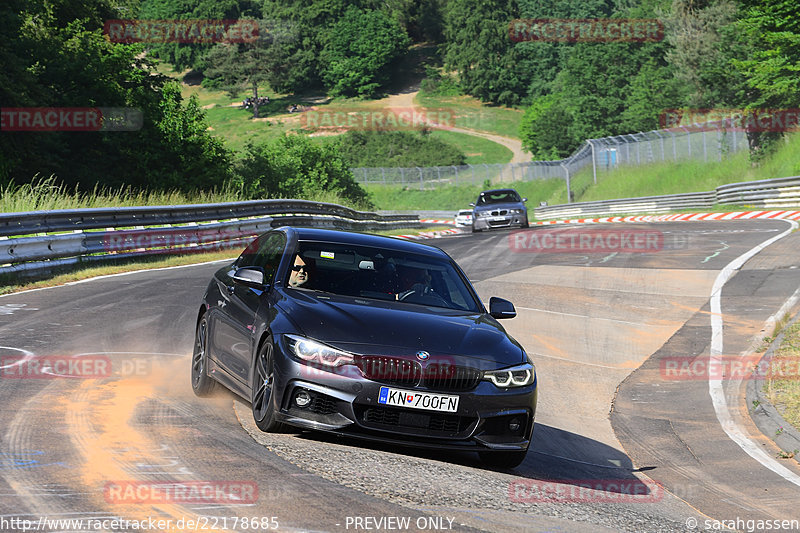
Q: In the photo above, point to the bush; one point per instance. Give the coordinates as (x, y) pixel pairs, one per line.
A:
(294, 167)
(397, 149)
(435, 84)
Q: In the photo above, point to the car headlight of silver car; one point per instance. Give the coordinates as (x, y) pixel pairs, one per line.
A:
(507, 378)
(315, 352)
(482, 214)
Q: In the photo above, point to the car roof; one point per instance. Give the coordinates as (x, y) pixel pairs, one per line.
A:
(499, 190)
(363, 239)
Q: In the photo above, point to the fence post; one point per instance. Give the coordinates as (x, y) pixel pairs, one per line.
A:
(402, 176)
(456, 169)
(473, 174)
(594, 161)
(421, 181)
(487, 170)
(569, 189)
(383, 174)
(705, 150)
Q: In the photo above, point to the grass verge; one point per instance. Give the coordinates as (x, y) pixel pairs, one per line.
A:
(388, 197)
(784, 394)
(45, 194)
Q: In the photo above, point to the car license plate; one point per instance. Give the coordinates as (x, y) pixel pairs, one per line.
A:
(499, 219)
(418, 400)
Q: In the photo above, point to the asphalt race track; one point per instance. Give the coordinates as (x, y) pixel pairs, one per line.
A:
(620, 443)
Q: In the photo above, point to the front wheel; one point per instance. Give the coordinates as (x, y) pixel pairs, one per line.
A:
(503, 459)
(262, 388)
(525, 223)
(202, 385)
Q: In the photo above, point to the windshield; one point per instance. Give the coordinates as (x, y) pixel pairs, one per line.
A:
(368, 272)
(498, 197)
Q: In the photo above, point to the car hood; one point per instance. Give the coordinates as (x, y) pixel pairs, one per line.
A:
(506, 205)
(375, 327)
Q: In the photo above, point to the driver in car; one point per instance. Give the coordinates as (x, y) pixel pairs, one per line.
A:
(413, 280)
(300, 272)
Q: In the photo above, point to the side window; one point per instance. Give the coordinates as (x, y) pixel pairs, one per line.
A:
(265, 252)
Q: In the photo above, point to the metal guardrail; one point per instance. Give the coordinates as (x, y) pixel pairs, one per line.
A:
(125, 233)
(772, 193)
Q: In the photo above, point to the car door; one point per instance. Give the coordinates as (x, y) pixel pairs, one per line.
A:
(233, 330)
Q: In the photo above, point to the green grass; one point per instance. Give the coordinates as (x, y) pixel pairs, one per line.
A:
(784, 394)
(44, 194)
(472, 114)
(685, 176)
(457, 197)
(477, 149)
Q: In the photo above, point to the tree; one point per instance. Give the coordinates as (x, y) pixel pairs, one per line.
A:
(693, 30)
(236, 66)
(184, 55)
(59, 62)
(358, 51)
(545, 129)
(477, 45)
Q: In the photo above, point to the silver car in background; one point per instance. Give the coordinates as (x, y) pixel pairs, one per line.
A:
(499, 208)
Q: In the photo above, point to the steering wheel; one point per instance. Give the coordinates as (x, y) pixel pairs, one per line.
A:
(424, 293)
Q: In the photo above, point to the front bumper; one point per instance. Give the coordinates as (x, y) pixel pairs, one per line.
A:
(348, 405)
(499, 221)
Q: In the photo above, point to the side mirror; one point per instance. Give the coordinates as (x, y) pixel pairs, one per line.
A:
(524, 199)
(500, 308)
(472, 204)
(249, 277)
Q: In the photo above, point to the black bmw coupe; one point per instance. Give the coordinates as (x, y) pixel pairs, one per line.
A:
(366, 336)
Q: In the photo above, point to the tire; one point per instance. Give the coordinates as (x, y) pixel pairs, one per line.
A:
(503, 459)
(202, 384)
(525, 223)
(475, 230)
(261, 387)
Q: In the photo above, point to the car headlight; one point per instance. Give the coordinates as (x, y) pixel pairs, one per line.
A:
(517, 376)
(315, 352)
(482, 214)
(515, 211)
